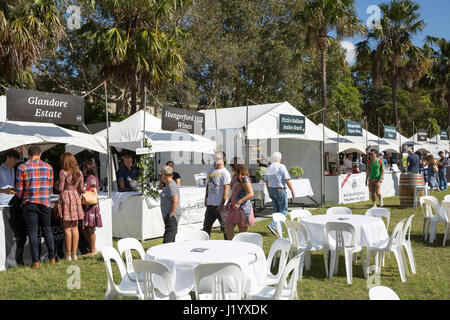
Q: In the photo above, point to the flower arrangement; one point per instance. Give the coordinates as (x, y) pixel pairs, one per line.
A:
(296, 172)
(146, 171)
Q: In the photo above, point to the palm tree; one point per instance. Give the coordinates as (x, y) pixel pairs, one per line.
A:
(395, 57)
(27, 29)
(322, 18)
(133, 45)
(438, 77)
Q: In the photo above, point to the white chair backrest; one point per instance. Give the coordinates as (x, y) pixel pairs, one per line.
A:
(109, 253)
(291, 267)
(127, 245)
(191, 235)
(251, 237)
(380, 213)
(279, 220)
(382, 293)
(212, 275)
(428, 212)
(283, 246)
(447, 197)
(433, 203)
(339, 210)
(299, 214)
(445, 207)
(397, 234)
(298, 235)
(150, 269)
(340, 235)
(407, 229)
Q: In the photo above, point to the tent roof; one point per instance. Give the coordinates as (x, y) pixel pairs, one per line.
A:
(18, 133)
(262, 121)
(345, 143)
(373, 140)
(128, 134)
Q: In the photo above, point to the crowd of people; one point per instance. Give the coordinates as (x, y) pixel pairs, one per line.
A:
(29, 190)
(434, 171)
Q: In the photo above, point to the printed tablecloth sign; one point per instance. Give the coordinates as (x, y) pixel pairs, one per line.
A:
(176, 119)
(35, 106)
(292, 124)
(353, 128)
(354, 188)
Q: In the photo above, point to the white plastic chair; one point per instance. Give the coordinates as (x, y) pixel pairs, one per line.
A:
(382, 293)
(416, 193)
(447, 197)
(251, 237)
(440, 215)
(126, 288)
(380, 213)
(339, 241)
(427, 215)
(191, 235)
(445, 207)
(302, 244)
(283, 246)
(279, 220)
(126, 245)
(394, 244)
(151, 269)
(339, 210)
(210, 283)
(298, 214)
(283, 290)
(406, 243)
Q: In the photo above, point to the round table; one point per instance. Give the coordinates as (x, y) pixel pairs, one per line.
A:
(182, 257)
(369, 230)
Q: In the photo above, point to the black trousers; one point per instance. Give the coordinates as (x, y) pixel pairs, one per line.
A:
(18, 227)
(170, 230)
(211, 215)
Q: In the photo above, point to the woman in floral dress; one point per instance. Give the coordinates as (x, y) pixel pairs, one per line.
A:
(71, 185)
(92, 217)
(239, 208)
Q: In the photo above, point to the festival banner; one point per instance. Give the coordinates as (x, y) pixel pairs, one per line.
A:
(35, 106)
(353, 128)
(176, 119)
(292, 124)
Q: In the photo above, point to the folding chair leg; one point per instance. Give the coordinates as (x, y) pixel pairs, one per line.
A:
(325, 260)
(409, 251)
(332, 262)
(348, 265)
(405, 263)
(301, 266)
(336, 263)
(308, 260)
(445, 235)
(401, 270)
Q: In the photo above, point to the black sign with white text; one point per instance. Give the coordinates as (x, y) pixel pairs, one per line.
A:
(292, 124)
(353, 128)
(422, 136)
(175, 119)
(35, 106)
(444, 135)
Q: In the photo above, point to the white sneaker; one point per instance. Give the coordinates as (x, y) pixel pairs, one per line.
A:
(374, 206)
(381, 202)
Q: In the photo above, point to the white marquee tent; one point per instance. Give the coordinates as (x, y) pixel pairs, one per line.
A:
(17, 133)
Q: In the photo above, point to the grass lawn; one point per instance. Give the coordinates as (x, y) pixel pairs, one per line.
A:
(431, 281)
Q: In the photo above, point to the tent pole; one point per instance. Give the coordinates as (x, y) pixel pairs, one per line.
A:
(108, 153)
(215, 112)
(322, 164)
(247, 162)
(378, 125)
(145, 109)
(338, 151)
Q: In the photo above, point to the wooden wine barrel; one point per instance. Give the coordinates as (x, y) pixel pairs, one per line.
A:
(407, 186)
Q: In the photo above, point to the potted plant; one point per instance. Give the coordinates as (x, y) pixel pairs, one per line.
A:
(296, 172)
(146, 170)
(260, 173)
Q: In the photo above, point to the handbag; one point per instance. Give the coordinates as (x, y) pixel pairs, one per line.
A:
(90, 197)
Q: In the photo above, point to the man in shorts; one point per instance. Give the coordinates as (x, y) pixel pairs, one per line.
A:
(374, 177)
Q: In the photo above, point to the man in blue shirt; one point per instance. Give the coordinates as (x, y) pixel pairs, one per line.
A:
(7, 181)
(276, 179)
(127, 174)
(413, 162)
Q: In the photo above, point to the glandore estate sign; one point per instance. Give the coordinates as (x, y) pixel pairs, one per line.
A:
(35, 106)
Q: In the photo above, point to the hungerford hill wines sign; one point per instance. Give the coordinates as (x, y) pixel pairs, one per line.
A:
(35, 106)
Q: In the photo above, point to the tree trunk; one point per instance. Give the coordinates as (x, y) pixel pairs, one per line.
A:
(394, 98)
(324, 86)
(133, 96)
(448, 106)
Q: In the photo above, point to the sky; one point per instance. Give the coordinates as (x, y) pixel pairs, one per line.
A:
(435, 13)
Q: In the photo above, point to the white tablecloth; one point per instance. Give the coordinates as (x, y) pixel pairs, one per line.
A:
(369, 230)
(302, 188)
(177, 256)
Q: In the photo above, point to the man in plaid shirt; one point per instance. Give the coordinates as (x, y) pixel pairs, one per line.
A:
(34, 184)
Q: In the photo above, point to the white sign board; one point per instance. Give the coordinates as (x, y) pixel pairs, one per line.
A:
(140, 151)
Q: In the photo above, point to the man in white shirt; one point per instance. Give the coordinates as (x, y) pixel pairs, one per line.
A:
(217, 189)
(348, 163)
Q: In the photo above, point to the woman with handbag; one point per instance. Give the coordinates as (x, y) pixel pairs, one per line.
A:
(432, 172)
(92, 218)
(71, 185)
(239, 208)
